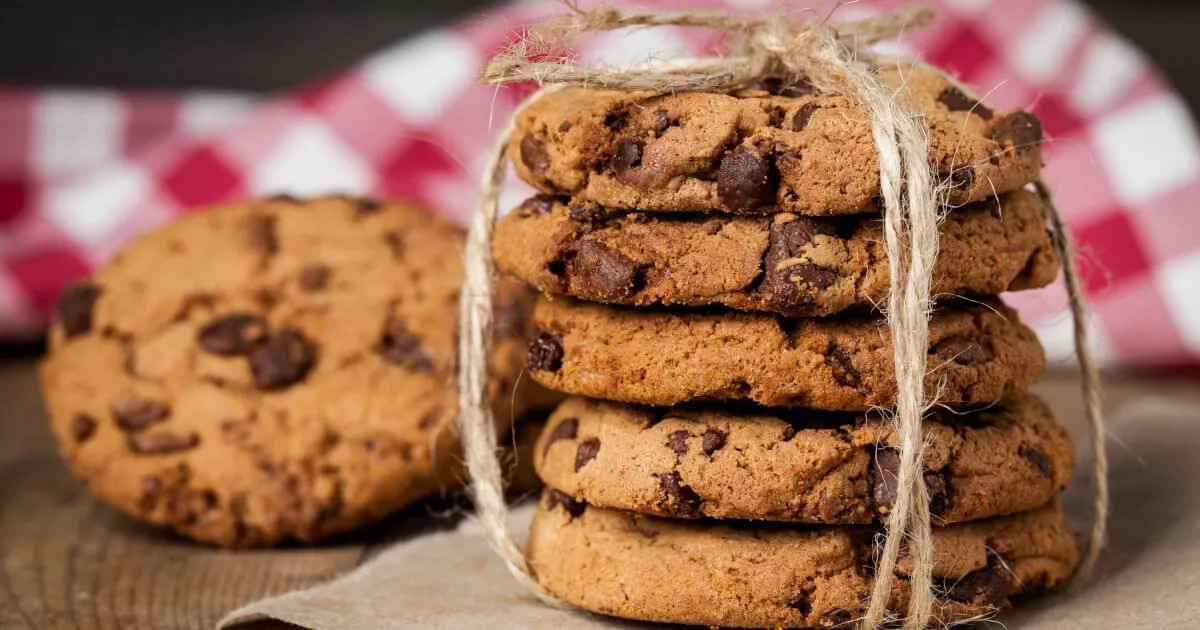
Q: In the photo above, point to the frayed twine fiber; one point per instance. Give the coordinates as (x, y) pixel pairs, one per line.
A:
(834, 58)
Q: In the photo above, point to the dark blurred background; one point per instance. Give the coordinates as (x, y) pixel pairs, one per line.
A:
(266, 45)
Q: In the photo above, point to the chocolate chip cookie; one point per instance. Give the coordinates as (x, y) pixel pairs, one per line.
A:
(978, 353)
(758, 463)
(785, 263)
(733, 574)
(272, 370)
(774, 146)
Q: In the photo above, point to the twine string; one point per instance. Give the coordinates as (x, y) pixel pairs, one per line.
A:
(835, 59)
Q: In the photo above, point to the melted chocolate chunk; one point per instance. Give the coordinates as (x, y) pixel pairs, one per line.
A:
(596, 272)
(844, 372)
(680, 500)
(1038, 460)
(802, 116)
(399, 346)
(784, 281)
(314, 278)
(557, 499)
(961, 350)
(162, 442)
(962, 178)
(536, 206)
(586, 452)
(565, 430)
(83, 427)
(1019, 130)
(778, 86)
(134, 414)
(678, 441)
(75, 308)
(628, 156)
(989, 585)
(885, 472)
(283, 360)
(746, 181)
(232, 335)
(534, 154)
(545, 352)
(712, 441)
(956, 100)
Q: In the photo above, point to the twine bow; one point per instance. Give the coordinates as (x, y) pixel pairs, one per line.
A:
(834, 58)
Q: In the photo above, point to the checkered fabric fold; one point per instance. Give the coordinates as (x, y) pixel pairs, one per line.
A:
(81, 173)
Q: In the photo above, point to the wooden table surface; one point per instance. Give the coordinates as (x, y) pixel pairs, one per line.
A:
(67, 561)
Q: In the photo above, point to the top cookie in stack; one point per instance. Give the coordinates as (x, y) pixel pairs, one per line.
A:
(717, 257)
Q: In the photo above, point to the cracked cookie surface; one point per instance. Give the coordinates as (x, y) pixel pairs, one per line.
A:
(773, 147)
(756, 463)
(272, 370)
(978, 353)
(785, 263)
(730, 574)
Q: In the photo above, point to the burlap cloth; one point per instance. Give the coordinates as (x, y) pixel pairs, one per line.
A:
(1149, 576)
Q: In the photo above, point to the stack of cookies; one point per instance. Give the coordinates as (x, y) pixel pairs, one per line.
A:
(709, 265)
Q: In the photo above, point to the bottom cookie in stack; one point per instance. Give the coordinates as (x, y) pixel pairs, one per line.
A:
(815, 483)
(737, 574)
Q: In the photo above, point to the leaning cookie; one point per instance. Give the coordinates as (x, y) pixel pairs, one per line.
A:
(272, 370)
(773, 147)
(784, 263)
(757, 463)
(978, 353)
(731, 574)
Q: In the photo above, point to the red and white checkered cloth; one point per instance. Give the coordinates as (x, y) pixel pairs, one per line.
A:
(82, 173)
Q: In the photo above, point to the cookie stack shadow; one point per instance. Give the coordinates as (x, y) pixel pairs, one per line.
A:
(709, 265)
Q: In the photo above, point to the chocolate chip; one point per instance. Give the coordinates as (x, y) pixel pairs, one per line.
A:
(596, 272)
(135, 414)
(365, 206)
(885, 472)
(232, 335)
(586, 452)
(628, 156)
(152, 488)
(681, 501)
(775, 116)
(545, 352)
(961, 350)
(572, 506)
(536, 206)
(162, 442)
(83, 427)
(784, 279)
(534, 155)
(842, 365)
(678, 442)
(712, 441)
(565, 126)
(75, 308)
(962, 178)
(1019, 130)
(565, 430)
(989, 585)
(663, 122)
(791, 88)
(746, 181)
(800, 119)
(616, 120)
(314, 277)
(399, 346)
(802, 603)
(1038, 459)
(284, 359)
(956, 100)
(260, 234)
(589, 213)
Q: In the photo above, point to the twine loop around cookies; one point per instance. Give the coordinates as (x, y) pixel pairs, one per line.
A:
(833, 58)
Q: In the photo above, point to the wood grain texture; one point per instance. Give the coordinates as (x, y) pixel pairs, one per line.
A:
(67, 561)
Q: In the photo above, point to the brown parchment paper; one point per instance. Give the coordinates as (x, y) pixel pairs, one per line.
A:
(1149, 576)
